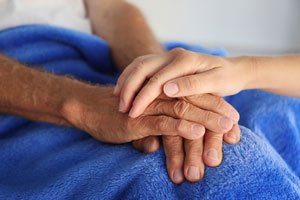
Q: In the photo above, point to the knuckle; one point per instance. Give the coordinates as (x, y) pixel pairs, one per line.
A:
(161, 123)
(195, 99)
(194, 147)
(177, 50)
(140, 66)
(180, 125)
(195, 153)
(208, 116)
(138, 59)
(192, 83)
(191, 98)
(154, 108)
(172, 140)
(184, 55)
(180, 108)
(187, 57)
(131, 124)
(174, 146)
(220, 103)
(215, 139)
(154, 80)
(175, 156)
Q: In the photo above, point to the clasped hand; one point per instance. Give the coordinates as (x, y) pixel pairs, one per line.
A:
(192, 128)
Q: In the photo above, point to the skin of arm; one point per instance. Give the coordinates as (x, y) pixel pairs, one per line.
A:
(30, 93)
(279, 75)
(124, 28)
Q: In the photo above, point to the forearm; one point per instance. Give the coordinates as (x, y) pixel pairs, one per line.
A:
(124, 28)
(280, 75)
(33, 94)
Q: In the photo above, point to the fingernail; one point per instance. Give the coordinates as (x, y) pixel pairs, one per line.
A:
(171, 88)
(213, 155)
(232, 136)
(198, 129)
(234, 115)
(116, 89)
(225, 123)
(193, 173)
(178, 176)
(121, 106)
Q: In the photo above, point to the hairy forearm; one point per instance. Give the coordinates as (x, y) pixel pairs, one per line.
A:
(34, 94)
(124, 28)
(280, 75)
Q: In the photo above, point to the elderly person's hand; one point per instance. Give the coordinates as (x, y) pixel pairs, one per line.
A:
(94, 110)
(179, 73)
(184, 157)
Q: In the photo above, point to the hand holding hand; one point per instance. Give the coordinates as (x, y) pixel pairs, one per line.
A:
(94, 110)
(179, 73)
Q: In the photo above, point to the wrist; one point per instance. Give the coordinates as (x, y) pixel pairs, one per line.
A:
(249, 67)
(80, 96)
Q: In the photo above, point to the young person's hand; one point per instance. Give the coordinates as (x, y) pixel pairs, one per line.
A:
(179, 73)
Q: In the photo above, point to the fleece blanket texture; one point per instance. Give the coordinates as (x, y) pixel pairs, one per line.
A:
(44, 161)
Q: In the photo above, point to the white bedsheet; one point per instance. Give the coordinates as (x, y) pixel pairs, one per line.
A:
(64, 13)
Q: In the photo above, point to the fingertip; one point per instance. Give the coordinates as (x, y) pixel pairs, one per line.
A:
(226, 124)
(147, 145)
(212, 158)
(117, 90)
(234, 115)
(193, 174)
(233, 136)
(177, 176)
(171, 89)
(230, 138)
(151, 145)
(122, 106)
(198, 130)
(190, 130)
(133, 112)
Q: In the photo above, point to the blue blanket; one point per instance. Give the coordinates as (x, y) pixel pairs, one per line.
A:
(44, 161)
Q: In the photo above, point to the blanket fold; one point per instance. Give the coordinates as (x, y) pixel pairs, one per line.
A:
(44, 161)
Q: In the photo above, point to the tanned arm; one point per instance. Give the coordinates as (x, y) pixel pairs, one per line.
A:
(40, 96)
(125, 29)
(32, 94)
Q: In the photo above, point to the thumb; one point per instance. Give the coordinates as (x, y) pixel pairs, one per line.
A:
(148, 144)
(190, 85)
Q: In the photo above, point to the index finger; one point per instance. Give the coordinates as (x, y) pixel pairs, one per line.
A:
(164, 125)
(214, 103)
(131, 83)
(183, 64)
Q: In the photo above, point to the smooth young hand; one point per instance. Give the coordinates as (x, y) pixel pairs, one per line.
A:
(179, 73)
